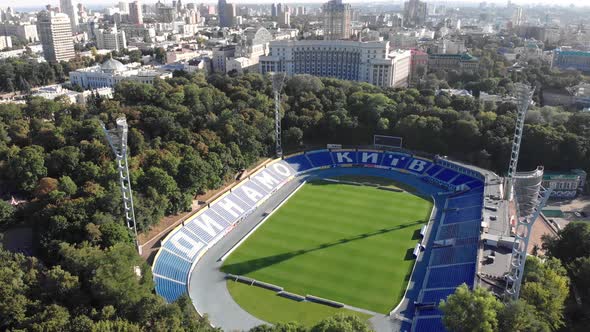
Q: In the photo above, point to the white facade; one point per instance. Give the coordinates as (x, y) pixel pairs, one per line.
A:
(55, 33)
(53, 91)
(5, 42)
(111, 72)
(111, 39)
(370, 62)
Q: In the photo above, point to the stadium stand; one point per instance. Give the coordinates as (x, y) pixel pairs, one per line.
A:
(460, 199)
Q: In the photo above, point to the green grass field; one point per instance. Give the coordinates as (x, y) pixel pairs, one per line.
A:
(347, 243)
(263, 304)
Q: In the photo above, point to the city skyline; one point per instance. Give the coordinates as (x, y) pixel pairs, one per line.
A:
(31, 4)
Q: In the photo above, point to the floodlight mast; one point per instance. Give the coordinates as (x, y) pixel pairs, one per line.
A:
(117, 138)
(277, 86)
(529, 197)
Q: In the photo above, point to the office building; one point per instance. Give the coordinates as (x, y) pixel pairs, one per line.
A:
(112, 72)
(135, 13)
(371, 62)
(123, 7)
(273, 10)
(24, 31)
(463, 61)
(111, 39)
(337, 20)
(69, 9)
(5, 42)
(568, 58)
(55, 33)
(220, 57)
(283, 15)
(415, 12)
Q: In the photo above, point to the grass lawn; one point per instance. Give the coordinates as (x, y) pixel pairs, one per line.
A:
(351, 244)
(263, 304)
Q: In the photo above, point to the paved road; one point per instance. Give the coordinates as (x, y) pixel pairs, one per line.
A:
(207, 287)
(208, 290)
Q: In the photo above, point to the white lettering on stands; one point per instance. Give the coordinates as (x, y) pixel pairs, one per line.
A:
(372, 155)
(186, 244)
(266, 179)
(230, 206)
(252, 194)
(343, 157)
(281, 169)
(206, 224)
(417, 165)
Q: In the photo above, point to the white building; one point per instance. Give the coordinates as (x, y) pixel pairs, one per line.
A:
(111, 39)
(27, 31)
(55, 33)
(53, 91)
(220, 57)
(111, 72)
(5, 42)
(371, 62)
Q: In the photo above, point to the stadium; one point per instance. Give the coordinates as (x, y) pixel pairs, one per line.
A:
(386, 234)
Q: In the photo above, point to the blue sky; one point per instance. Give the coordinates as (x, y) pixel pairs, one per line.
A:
(42, 3)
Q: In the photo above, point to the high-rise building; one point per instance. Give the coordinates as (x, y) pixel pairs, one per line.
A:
(55, 33)
(227, 13)
(273, 10)
(123, 7)
(135, 12)
(372, 62)
(111, 39)
(337, 20)
(68, 8)
(517, 16)
(415, 12)
(283, 15)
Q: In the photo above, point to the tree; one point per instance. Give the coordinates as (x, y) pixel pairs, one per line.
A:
(572, 242)
(6, 213)
(341, 323)
(27, 167)
(546, 287)
(67, 186)
(519, 316)
(470, 311)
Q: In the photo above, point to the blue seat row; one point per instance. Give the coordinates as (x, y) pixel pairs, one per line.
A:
(461, 215)
(451, 276)
(446, 175)
(458, 231)
(169, 289)
(453, 255)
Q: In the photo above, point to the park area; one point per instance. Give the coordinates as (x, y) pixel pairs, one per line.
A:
(347, 243)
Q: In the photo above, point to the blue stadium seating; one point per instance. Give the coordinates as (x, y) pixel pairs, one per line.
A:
(320, 158)
(465, 200)
(461, 179)
(462, 214)
(450, 276)
(458, 231)
(172, 266)
(169, 289)
(369, 160)
(433, 324)
(348, 157)
(436, 295)
(401, 160)
(433, 170)
(446, 175)
(299, 163)
(453, 255)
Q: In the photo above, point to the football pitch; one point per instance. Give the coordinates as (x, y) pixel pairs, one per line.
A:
(348, 243)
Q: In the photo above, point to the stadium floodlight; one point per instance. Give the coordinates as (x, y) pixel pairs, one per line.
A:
(524, 96)
(528, 195)
(117, 138)
(278, 79)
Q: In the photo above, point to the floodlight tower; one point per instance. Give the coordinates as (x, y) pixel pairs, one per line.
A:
(528, 195)
(278, 79)
(117, 138)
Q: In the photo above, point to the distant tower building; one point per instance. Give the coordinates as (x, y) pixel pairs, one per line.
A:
(55, 33)
(284, 16)
(135, 13)
(337, 20)
(227, 13)
(111, 39)
(69, 9)
(517, 17)
(123, 7)
(415, 12)
(273, 10)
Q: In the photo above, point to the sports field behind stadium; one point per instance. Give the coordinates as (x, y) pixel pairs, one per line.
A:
(347, 243)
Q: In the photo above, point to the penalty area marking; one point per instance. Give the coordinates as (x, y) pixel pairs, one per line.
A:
(260, 223)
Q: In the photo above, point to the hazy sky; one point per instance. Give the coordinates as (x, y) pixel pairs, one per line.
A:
(41, 3)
